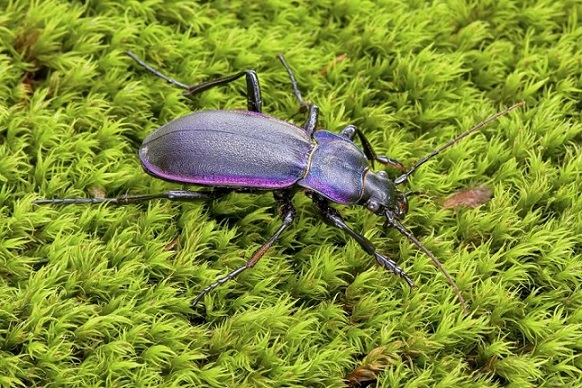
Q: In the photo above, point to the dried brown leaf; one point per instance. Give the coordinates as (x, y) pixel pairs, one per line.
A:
(468, 198)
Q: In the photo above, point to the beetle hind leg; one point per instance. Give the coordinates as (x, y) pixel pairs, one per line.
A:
(172, 195)
(287, 215)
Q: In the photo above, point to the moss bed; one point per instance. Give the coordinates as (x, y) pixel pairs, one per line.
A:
(101, 295)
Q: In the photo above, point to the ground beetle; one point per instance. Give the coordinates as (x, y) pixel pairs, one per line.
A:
(249, 152)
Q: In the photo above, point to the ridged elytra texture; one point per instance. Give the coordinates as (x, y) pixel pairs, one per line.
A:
(229, 149)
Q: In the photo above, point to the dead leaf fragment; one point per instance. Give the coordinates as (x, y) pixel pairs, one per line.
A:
(468, 198)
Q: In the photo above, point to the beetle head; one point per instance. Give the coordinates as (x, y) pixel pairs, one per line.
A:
(397, 209)
(382, 197)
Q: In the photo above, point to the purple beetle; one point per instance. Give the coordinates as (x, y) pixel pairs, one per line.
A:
(249, 152)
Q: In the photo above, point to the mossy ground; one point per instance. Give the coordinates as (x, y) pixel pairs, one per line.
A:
(101, 295)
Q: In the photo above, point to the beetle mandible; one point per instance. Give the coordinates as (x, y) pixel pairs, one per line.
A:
(250, 152)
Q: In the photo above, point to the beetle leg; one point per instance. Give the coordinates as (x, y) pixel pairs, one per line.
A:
(287, 215)
(254, 100)
(155, 72)
(303, 105)
(311, 122)
(390, 162)
(173, 195)
(334, 218)
(351, 130)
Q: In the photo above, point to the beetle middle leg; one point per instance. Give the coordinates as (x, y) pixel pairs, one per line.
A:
(254, 99)
(311, 121)
(334, 218)
(351, 130)
(287, 212)
(303, 105)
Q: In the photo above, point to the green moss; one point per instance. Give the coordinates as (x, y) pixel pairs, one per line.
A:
(101, 295)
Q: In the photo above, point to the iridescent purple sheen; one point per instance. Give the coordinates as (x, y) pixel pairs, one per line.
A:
(228, 149)
(337, 169)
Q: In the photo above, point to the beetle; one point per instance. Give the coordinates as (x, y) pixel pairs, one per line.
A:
(250, 152)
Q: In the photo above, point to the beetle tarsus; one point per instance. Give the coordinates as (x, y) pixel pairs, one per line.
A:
(296, 90)
(254, 99)
(311, 122)
(217, 283)
(391, 265)
(155, 72)
(71, 201)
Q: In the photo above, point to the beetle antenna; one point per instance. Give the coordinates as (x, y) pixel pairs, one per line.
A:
(404, 177)
(402, 229)
(414, 193)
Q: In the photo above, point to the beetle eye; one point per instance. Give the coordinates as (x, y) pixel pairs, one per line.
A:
(373, 206)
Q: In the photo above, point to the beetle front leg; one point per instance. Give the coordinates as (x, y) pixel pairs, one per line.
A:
(287, 212)
(254, 100)
(334, 218)
(351, 130)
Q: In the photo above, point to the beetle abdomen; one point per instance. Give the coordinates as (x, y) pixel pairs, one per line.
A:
(228, 148)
